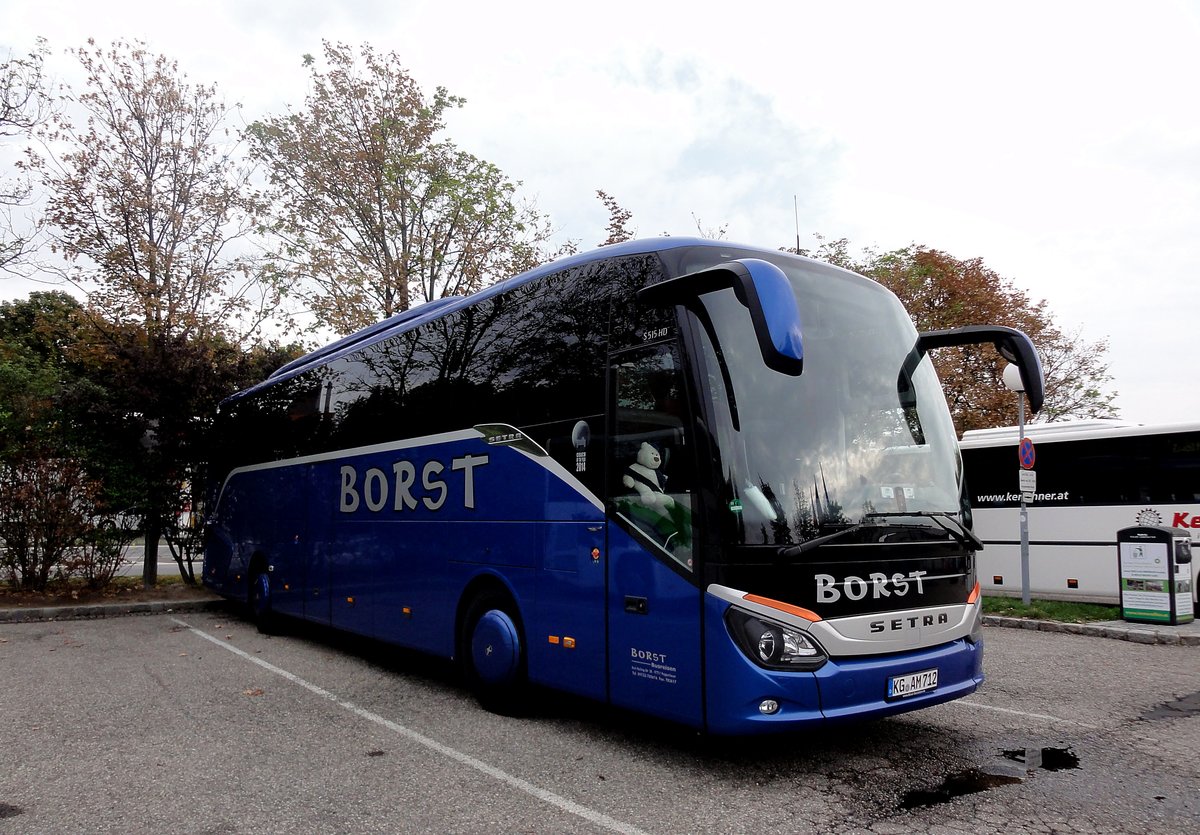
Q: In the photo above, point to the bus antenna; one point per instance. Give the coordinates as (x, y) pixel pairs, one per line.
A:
(796, 207)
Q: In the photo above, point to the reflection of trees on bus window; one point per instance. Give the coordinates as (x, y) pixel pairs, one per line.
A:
(652, 479)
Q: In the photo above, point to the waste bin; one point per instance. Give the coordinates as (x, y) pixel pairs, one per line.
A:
(1155, 566)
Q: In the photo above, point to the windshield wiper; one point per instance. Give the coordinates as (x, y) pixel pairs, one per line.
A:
(962, 534)
(956, 529)
(817, 542)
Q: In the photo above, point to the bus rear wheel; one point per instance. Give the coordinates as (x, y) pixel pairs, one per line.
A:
(492, 652)
(261, 612)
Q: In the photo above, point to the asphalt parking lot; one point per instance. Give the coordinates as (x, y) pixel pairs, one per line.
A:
(194, 722)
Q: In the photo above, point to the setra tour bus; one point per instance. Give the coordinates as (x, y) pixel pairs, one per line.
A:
(711, 483)
(1094, 477)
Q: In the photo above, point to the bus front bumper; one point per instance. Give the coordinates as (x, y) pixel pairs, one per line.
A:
(744, 698)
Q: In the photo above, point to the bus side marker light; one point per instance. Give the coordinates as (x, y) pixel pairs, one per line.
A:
(287, 587)
(1072, 583)
(406, 611)
(998, 580)
(554, 639)
(350, 600)
(568, 643)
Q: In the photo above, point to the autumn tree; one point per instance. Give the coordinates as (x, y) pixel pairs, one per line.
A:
(150, 211)
(941, 291)
(148, 204)
(373, 208)
(715, 233)
(618, 220)
(24, 105)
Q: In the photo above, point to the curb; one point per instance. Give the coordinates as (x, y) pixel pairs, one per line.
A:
(107, 610)
(1118, 630)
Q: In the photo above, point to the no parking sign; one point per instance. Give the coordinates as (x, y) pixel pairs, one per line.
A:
(1027, 454)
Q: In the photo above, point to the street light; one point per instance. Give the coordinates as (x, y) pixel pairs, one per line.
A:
(1012, 380)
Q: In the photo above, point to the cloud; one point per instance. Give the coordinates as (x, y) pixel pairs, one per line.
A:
(1055, 141)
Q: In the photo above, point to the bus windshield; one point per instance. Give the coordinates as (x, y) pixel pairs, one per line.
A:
(863, 433)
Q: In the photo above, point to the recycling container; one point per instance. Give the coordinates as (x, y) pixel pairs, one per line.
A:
(1155, 575)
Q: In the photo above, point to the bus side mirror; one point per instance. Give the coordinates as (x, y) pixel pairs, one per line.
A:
(1012, 344)
(763, 289)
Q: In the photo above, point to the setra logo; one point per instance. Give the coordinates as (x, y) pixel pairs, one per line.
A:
(909, 622)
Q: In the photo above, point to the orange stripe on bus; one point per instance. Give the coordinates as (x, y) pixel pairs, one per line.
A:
(974, 595)
(783, 607)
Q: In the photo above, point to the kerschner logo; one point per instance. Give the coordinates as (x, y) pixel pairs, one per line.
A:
(1179, 519)
(878, 584)
(1149, 516)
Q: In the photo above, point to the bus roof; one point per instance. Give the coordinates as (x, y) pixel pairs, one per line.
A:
(420, 314)
(1070, 430)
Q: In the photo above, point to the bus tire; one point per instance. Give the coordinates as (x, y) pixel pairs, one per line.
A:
(259, 601)
(492, 651)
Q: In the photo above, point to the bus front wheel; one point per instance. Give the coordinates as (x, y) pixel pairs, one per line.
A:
(493, 653)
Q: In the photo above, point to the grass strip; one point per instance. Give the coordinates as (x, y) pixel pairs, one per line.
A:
(1056, 610)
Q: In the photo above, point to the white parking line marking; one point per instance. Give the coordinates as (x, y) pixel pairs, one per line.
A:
(1041, 716)
(590, 815)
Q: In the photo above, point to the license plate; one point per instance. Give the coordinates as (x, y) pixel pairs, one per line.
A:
(910, 684)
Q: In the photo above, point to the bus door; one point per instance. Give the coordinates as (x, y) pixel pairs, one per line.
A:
(654, 645)
(281, 498)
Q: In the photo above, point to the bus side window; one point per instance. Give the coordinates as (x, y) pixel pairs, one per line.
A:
(652, 472)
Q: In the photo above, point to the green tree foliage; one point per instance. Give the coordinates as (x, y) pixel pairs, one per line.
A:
(89, 409)
(37, 376)
(54, 517)
(376, 212)
(941, 291)
(150, 428)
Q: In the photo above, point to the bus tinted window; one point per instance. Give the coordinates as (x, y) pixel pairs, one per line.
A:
(1105, 471)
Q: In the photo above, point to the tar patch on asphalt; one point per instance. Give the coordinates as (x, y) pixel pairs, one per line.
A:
(974, 780)
(1183, 706)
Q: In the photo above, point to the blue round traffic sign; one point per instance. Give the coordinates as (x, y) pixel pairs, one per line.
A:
(1027, 454)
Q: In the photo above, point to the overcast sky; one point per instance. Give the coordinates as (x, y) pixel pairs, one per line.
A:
(1058, 141)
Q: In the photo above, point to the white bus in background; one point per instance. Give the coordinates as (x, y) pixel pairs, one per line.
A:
(1094, 477)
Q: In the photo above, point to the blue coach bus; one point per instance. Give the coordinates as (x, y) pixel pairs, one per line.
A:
(707, 482)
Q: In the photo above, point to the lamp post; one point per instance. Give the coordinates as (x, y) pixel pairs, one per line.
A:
(1012, 380)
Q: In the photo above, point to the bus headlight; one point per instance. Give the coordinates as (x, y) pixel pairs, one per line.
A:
(772, 644)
